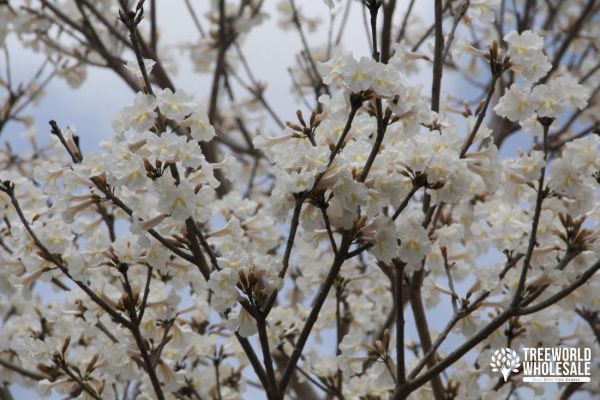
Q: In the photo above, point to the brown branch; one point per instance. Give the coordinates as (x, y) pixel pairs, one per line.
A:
(583, 278)
(570, 390)
(146, 294)
(84, 386)
(220, 65)
(570, 254)
(153, 26)
(437, 57)
(328, 228)
(457, 18)
(134, 328)
(103, 187)
(317, 77)
(256, 88)
(386, 30)
(200, 261)
(593, 320)
(131, 19)
(487, 330)
(399, 210)
(402, 31)
(5, 393)
(399, 307)
(414, 189)
(382, 121)
(166, 338)
(302, 388)
(22, 371)
(354, 106)
(216, 364)
(340, 33)
(195, 18)
(419, 314)
(111, 28)
(8, 188)
(254, 361)
(572, 33)
(206, 246)
(340, 330)
(541, 194)
(469, 140)
(456, 317)
(272, 389)
(316, 309)
(285, 263)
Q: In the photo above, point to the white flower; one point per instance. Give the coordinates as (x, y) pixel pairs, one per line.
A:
(508, 235)
(242, 322)
(387, 80)
(48, 174)
(526, 54)
(332, 69)
(199, 125)
(484, 10)
(141, 115)
(583, 153)
(178, 201)
(457, 184)
(524, 44)
(127, 250)
(129, 173)
(359, 76)
(134, 67)
(414, 241)
(383, 235)
(222, 284)
(56, 236)
(298, 181)
(350, 193)
(565, 177)
(164, 148)
(176, 105)
(157, 257)
(515, 104)
(549, 100)
(528, 166)
(575, 94)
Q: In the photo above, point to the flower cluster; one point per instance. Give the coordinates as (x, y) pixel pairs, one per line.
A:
(209, 246)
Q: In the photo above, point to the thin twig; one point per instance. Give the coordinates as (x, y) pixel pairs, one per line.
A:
(8, 188)
(272, 389)
(195, 18)
(399, 307)
(329, 231)
(402, 31)
(423, 330)
(146, 294)
(541, 194)
(315, 311)
(22, 371)
(437, 57)
(469, 140)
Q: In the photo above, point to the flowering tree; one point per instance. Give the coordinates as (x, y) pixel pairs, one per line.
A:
(203, 252)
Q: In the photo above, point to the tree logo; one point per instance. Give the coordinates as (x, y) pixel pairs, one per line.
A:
(506, 361)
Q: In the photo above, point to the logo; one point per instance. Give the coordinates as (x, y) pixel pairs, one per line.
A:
(505, 361)
(557, 364)
(545, 364)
